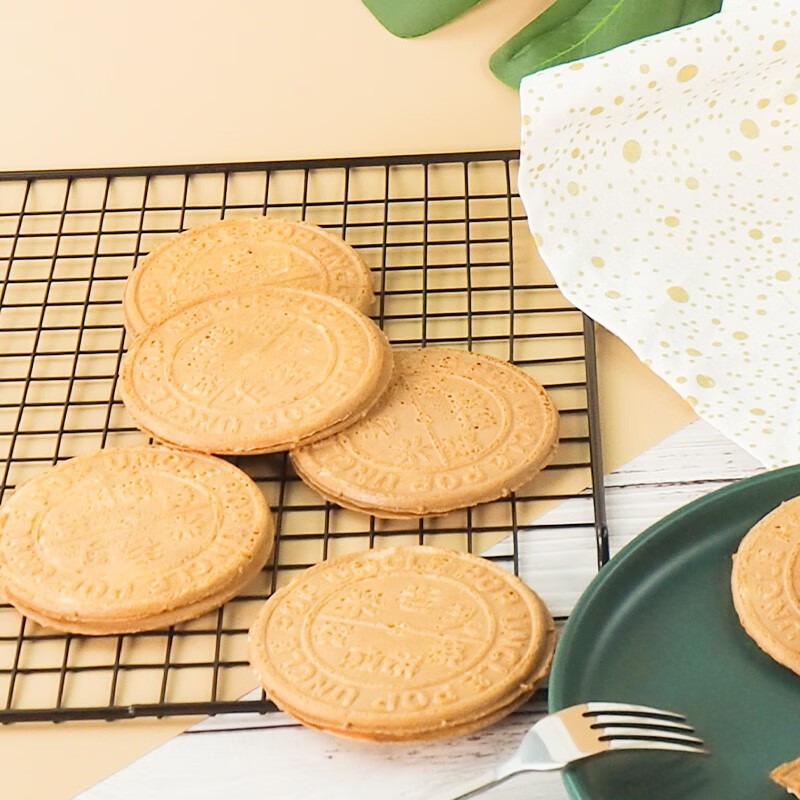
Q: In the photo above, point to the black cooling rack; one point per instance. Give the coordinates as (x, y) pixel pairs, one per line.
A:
(447, 240)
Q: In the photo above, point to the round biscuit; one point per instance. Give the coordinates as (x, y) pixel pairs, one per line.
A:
(454, 429)
(239, 254)
(402, 643)
(765, 582)
(131, 539)
(255, 372)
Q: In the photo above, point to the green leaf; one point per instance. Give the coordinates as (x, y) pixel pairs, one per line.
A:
(573, 29)
(698, 9)
(408, 18)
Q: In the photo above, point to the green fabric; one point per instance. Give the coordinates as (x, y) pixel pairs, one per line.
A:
(408, 18)
(574, 29)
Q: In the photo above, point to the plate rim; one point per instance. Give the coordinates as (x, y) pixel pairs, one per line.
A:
(555, 699)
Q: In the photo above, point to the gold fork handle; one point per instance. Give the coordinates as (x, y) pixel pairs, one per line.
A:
(474, 786)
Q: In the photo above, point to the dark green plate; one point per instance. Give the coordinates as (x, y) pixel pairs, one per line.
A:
(657, 626)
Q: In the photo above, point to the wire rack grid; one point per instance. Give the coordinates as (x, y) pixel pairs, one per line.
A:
(454, 265)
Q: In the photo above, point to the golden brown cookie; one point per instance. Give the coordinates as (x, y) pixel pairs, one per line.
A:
(766, 583)
(402, 644)
(454, 429)
(131, 539)
(445, 732)
(788, 776)
(239, 254)
(255, 372)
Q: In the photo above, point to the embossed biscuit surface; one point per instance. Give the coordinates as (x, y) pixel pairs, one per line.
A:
(255, 372)
(403, 643)
(453, 429)
(116, 540)
(765, 582)
(238, 254)
(444, 731)
(788, 776)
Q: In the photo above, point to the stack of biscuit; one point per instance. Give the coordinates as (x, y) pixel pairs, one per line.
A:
(249, 336)
(232, 353)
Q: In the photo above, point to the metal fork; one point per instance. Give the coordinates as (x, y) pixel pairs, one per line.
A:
(583, 731)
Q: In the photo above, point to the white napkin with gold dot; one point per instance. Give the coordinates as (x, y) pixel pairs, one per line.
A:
(662, 184)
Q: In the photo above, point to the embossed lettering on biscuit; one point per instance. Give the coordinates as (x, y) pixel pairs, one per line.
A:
(400, 644)
(131, 539)
(766, 584)
(239, 254)
(453, 429)
(255, 372)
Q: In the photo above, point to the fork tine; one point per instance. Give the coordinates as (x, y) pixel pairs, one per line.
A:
(593, 709)
(651, 734)
(621, 720)
(651, 744)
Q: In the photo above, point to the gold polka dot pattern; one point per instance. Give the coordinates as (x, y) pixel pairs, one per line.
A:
(661, 188)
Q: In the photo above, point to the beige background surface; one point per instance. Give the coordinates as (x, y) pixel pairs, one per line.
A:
(100, 84)
(92, 83)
